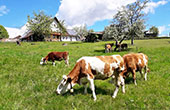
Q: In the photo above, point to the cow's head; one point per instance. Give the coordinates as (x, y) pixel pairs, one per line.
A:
(64, 85)
(43, 61)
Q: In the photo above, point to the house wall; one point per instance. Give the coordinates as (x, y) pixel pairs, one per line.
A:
(54, 26)
(68, 39)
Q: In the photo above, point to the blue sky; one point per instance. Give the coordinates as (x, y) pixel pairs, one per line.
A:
(96, 14)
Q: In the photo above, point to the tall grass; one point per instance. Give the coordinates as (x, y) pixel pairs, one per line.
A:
(27, 85)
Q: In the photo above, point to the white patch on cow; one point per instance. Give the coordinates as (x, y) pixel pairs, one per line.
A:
(53, 63)
(64, 77)
(139, 61)
(145, 60)
(122, 68)
(67, 60)
(118, 62)
(95, 64)
(114, 64)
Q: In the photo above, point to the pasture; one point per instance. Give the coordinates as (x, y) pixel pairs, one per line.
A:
(27, 85)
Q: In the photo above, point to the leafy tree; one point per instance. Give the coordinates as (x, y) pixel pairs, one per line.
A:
(61, 27)
(39, 25)
(3, 32)
(128, 22)
(154, 30)
(81, 31)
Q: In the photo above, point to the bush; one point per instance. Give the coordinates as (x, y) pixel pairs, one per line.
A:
(3, 32)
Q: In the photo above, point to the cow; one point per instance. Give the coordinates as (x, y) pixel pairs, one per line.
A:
(124, 46)
(121, 47)
(108, 47)
(88, 69)
(52, 56)
(134, 62)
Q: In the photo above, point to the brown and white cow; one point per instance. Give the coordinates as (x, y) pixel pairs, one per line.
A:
(88, 69)
(108, 47)
(52, 56)
(134, 62)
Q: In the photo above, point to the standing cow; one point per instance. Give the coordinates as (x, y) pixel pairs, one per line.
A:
(134, 62)
(87, 69)
(52, 56)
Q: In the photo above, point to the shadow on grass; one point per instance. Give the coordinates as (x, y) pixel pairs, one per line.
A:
(76, 43)
(129, 80)
(103, 50)
(98, 91)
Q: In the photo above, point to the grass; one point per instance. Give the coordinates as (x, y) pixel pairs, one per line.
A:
(27, 85)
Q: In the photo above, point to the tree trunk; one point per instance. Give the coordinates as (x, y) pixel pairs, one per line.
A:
(116, 45)
(60, 38)
(132, 40)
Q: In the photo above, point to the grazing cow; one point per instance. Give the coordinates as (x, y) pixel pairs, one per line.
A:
(87, 69)
(52, 56)
(134, 62)
(108, 47)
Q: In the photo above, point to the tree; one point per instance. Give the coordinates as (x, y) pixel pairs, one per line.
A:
(40, 25)
(154, 30)
(3, 32)
(81, 31)
(136, 18)
(128, 22)
(61, 27)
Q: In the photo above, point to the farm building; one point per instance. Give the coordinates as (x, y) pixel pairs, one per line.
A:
(94, 36)
(24, 34)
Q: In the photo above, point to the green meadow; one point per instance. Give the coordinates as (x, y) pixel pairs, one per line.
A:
(27, 85)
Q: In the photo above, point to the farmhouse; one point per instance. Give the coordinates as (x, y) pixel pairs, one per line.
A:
(26, 35)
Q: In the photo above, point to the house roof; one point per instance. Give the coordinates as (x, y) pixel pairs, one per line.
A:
(24, 32)
(71, 32)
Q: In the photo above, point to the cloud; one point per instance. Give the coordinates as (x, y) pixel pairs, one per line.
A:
(3, 10)
(164, 30)
(161, 29)
(78, 12)
(152, 5)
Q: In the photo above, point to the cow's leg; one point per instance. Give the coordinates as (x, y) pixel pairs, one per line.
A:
(119, 81)
(67, 60)
(85, 88)
(122, 84)
(105, 50)
(134, 76)
(145, 70)
(92, 87)
(53, 62)
(141, 73)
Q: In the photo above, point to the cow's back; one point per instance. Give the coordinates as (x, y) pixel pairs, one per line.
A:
(102, 65)
(58, 55)
(135, 60)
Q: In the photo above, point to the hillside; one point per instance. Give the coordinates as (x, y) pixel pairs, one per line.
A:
(25, 84)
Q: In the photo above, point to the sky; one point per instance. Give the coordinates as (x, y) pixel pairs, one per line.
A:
(96, 14)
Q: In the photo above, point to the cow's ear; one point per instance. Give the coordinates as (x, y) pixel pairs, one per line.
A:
(69, 79)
